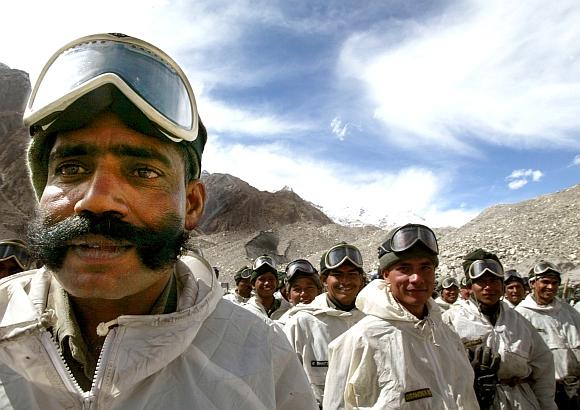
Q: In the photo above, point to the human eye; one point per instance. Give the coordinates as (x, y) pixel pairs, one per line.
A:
(70, 169)
(146, 173)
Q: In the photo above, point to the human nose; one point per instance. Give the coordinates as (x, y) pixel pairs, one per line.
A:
(103, 193)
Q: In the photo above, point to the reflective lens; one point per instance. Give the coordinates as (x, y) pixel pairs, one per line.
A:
(407, 236)
(300, 266)
(246, 273)
(480, 267)
(337, 255)
(264, 260)
(448, 282)
(511, 275)
(10, 249)
(543, 267)
(146, 75)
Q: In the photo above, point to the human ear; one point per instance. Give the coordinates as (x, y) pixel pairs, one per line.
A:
(195, 197)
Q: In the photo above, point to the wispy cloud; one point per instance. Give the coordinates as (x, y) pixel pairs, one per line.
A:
(576, 160)
(338, 128)
(520, 177)
(221, 118)
(503, 72)
(342, 190)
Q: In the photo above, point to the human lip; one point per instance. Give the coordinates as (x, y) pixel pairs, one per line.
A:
(98, 248)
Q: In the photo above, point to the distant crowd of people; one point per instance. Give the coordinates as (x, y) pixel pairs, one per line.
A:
(405, 337)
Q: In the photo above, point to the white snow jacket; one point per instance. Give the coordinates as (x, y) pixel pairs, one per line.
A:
(392, 360)
(256, 307)
(236, 298)
(445, 305)
(209, 354)
(526, 371)
(559, 325)
(310, 328)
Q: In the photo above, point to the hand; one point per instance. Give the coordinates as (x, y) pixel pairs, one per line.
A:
(485, 365)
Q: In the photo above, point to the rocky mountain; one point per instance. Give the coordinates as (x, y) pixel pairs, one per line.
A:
(241, 222)
(234, 205)
(16, 197)
(547, 227)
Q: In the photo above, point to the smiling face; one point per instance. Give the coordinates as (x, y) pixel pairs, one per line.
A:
(515, 292)
(412, 283)
(450, 294)
(265, 285)
(546, 289)
(107, 170)
(343, 283)
(487, 289)
(303, 290)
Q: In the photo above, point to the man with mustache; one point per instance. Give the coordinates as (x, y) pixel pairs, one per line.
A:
(559, 325)
(513, 366)
(116, 318)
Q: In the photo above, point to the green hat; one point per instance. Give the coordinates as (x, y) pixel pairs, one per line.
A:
(244, 273)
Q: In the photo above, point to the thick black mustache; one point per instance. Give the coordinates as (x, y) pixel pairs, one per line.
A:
(156, 247)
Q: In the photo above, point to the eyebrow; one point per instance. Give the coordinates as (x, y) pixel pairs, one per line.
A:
(121, 150)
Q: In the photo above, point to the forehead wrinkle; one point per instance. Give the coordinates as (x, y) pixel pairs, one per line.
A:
(67, 150)
(124, 150)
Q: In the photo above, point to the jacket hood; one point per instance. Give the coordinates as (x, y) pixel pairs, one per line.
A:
(376, 299)
(319, 306)
(530, 303)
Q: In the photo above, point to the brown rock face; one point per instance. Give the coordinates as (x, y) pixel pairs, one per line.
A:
(234, 205)
(17, 200)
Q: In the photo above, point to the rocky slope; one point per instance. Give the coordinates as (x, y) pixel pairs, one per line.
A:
(234, 205)
(241, 222)
(547, 227)
(16, 197)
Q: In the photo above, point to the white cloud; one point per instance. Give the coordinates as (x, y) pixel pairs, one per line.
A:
(341, 190)
(517, 184)
(520, 177)
(338, 128)
(504, 72)
(221, 118)
(576, 160)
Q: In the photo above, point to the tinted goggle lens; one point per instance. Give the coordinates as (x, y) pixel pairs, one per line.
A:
(543, 267)
(407, 236)
(264, 260)
(16, 251)
(246, 273)
(480, 267)
(300, 267)
(339, 254)
(142, 70)
(448, 282)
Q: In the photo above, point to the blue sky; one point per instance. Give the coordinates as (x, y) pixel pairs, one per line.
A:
(410, 110)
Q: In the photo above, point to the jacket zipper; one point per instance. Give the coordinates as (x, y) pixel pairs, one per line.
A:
(55, 354)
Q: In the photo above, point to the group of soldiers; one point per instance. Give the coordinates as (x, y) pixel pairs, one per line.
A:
(481, 343)
(113, 315)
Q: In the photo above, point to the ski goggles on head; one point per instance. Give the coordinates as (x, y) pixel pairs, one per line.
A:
(266, 261)
(449, 282)
(407, 236)
(544, 268)
(480, 267)
(245, 273)
(144, 74)
(16, 251)
(341, 253)
(300, 267)
(512, 275)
